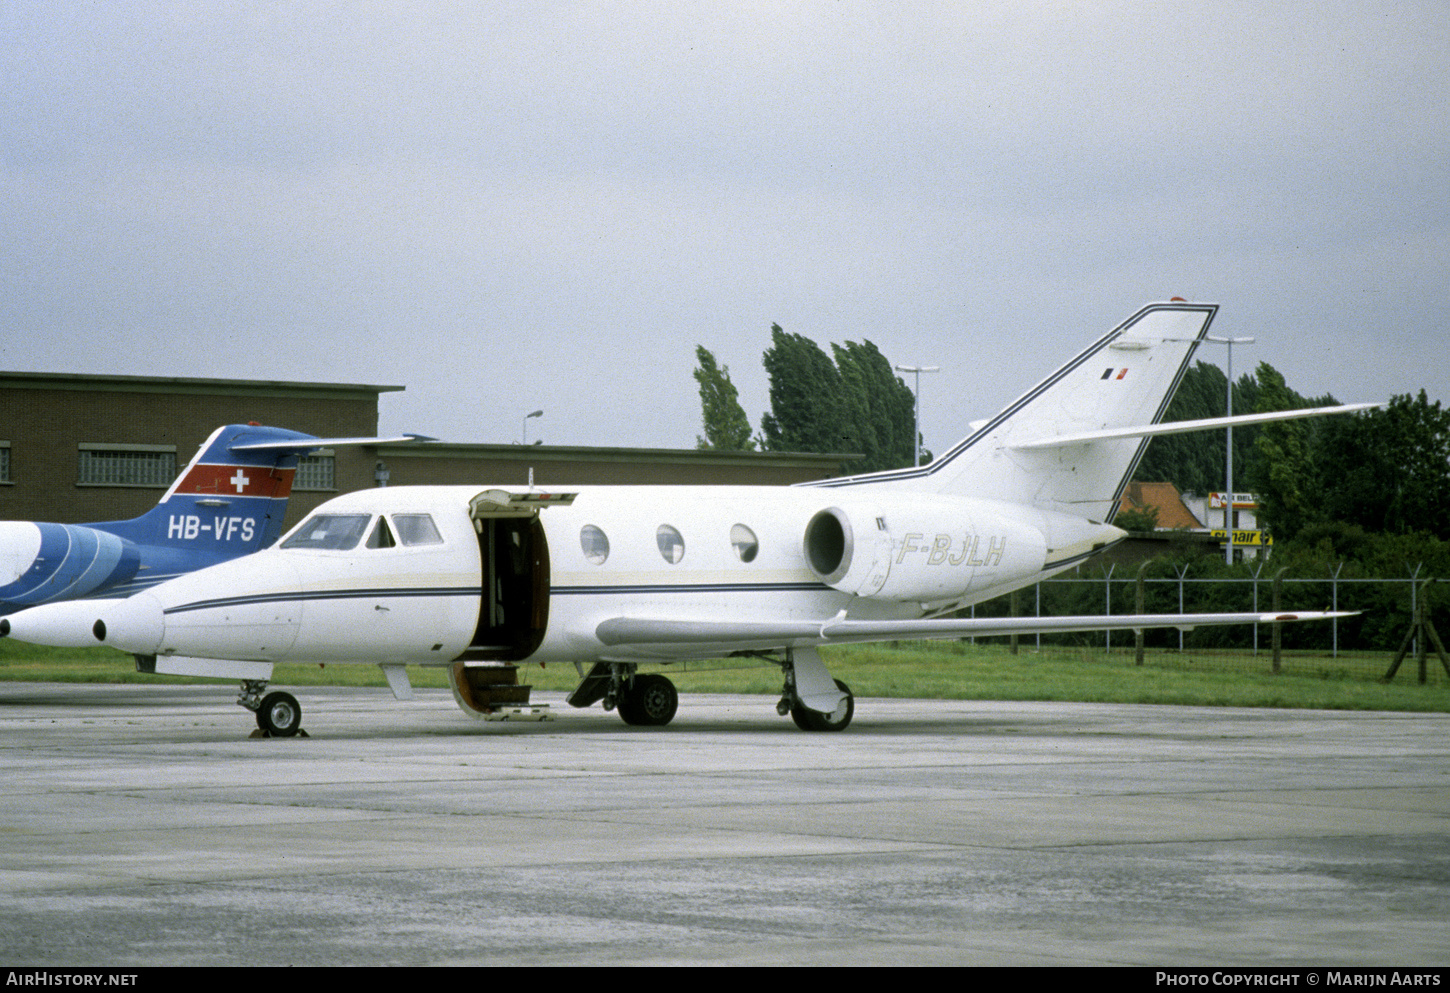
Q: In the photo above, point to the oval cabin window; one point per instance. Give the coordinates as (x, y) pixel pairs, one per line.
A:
(672, 546)
(746, 545)
(594, 543)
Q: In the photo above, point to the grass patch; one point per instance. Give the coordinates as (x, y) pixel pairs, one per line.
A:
(929, 670)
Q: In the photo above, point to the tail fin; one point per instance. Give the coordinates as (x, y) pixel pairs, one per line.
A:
(1124, 379)
(228, 501)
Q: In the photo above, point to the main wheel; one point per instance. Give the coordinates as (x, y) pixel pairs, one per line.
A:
(650, 702)
(813, 720)
(280, 715)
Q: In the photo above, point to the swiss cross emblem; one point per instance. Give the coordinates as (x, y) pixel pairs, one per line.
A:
(240, 481)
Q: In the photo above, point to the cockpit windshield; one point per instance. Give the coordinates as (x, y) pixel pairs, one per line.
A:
(335, 532)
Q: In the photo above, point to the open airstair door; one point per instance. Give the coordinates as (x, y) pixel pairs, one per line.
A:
(514, 607)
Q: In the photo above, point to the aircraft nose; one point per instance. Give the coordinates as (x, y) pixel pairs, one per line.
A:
(136, 624)
(64, 624)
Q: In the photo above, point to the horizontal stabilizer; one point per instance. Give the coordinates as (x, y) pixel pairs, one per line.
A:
(645, 631)
(311, 443)
(1183, 427)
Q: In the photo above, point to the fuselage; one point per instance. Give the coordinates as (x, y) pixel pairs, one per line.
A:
(430, 575)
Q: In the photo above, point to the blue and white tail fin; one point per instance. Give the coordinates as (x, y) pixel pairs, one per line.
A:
(229, 500)
(1035, 451)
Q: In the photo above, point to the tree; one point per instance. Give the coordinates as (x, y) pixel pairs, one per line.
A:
(881, 408)
(726, 426)
(807, 399)
(1388, 469)
(855, 404)
(1283, 476)
(1196, 462)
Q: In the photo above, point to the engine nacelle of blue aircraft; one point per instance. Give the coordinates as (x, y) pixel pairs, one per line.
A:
(44, 562)
(931, 549)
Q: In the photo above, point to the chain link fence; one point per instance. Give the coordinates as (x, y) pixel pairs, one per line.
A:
(1362, 645)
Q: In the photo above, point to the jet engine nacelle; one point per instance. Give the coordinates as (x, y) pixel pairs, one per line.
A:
(922, 548)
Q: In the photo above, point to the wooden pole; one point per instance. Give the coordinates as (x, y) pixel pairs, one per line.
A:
(1424, 628)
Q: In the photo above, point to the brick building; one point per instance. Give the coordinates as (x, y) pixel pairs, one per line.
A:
(79, 448)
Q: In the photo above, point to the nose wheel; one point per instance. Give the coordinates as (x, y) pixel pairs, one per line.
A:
(279, 715)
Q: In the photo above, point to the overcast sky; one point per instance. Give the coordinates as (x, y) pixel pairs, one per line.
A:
(513, 206)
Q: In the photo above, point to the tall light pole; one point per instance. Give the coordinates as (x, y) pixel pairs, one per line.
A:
(1228, 508)
(916, 438)
(537, 413)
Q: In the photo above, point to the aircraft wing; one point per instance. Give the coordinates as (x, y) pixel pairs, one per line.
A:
(1183, 427)
(620, 631)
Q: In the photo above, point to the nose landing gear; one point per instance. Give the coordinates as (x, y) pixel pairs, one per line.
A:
(279, 715)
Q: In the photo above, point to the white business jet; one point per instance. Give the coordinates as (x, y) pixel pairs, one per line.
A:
(479, 580)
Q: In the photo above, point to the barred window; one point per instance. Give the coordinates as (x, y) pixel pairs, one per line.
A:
(316, 472)
(118, 465)
(5, 462)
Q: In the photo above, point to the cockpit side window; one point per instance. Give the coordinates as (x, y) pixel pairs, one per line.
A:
(333, 532)
(417, 529)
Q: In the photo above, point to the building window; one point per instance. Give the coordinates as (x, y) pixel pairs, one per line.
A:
(5, 462)
(316, 472)
(127, 465)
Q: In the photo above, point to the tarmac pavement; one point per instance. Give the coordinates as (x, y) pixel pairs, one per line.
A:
(140, 825)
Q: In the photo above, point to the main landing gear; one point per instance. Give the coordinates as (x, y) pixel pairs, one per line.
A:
(650, 701)
(814, 701)
(814, 720)
(279, 715)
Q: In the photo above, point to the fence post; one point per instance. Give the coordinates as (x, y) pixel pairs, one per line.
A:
(1016, 609)
(1422, 631)
(1334, 623)
(1139, 609)
(1423, 648)
(1108, 603)
(1414, 600)
(1258, 571)
(1181, 574)
(1278, 608)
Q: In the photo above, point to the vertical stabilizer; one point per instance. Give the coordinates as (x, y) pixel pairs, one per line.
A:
(1125, 379)
(228, 501)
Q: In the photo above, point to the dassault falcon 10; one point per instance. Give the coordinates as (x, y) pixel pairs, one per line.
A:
(482, 579)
